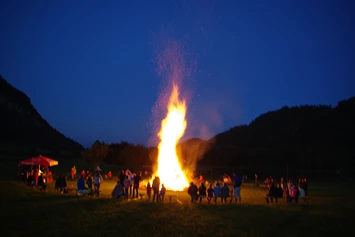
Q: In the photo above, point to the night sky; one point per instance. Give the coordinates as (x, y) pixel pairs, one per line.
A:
(91, 68)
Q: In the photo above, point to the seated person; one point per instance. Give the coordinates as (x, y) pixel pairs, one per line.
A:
(81, 190)
(118, 190)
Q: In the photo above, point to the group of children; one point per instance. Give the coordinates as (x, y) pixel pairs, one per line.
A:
(122, 190)
(291, 191)
(228, 190)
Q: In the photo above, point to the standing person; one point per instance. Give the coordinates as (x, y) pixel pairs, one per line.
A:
(305, 186)
(210, 194)
(237, 183)
(89, 183)
(97, 182)
(217, 192)
(109, 175)
(41, 183)
(231, 193)
(74, 168)
(126, 183)
(130, 178)
(256, 180)
(162, 193)
(136, 181)
(156, 186)
(282, 182)
(225, 193)
(72, 173)
(121, 177)
(202, 191)
(192, 191)
(149, 190)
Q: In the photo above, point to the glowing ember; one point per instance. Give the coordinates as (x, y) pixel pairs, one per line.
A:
(172, 129)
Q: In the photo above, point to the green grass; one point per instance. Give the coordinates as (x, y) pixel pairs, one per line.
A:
(27, 212)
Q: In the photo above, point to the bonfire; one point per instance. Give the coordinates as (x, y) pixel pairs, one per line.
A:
(169, 168)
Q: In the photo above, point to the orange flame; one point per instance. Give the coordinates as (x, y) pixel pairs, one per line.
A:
(172, 129)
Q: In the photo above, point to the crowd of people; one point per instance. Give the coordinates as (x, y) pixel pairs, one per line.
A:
(227, 190)
(230, 188)
(290, 191)
(37, 177)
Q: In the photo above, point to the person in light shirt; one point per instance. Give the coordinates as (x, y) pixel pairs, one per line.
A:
(97, 182)
(302, 194)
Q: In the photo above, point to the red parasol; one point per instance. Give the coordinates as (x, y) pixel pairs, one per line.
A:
(39, 160)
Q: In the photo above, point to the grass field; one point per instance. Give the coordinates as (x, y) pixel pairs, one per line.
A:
(28, 212)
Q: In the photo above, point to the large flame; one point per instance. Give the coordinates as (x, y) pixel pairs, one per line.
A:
(172, 129)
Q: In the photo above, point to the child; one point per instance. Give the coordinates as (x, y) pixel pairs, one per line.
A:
(162, 193)
(210, 194)
(202, 192)
(231, 194)
(149, 190)
(217, 193)
(225, 193)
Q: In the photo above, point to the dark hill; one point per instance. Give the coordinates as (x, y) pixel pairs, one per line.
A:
(310, 139)
(22, 126)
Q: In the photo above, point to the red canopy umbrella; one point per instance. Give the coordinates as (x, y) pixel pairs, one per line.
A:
(39, 160)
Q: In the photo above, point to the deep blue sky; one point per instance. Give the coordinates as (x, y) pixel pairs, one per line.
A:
(89, 67)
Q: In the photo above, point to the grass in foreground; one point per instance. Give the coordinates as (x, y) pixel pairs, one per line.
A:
(26, 212)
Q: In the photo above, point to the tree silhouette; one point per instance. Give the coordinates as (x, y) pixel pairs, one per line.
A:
(96, 153)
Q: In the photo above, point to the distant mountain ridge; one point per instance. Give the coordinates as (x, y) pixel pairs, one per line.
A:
(22, 125)
(308, 138)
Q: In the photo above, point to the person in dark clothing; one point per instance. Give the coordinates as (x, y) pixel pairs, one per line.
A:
(30, 179)
(41, 183)
(210, 192)
(225, 193)
(156, 187)
(136, 181)
(61, 183)
(275, 192)
(305, 186)
(236, 190)
(202, 191)
(192, 191)
(121, 177)
(89, 183)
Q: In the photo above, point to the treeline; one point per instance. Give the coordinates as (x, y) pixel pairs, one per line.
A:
(305, 140)
(135, 156)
